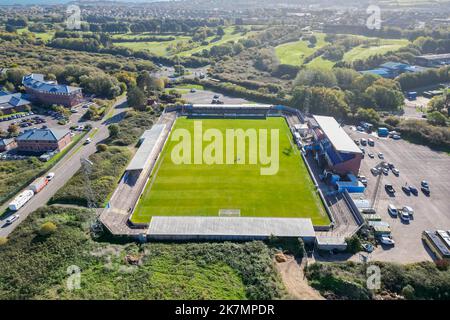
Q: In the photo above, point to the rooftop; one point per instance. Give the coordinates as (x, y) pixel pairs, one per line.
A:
(336, 134)
(147, 148)
(11, 100)
(435, 56)
(230, 226)
(36, 81)
(42, 135)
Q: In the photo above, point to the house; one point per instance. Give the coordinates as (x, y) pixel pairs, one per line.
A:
(333, 147)
(433, 60)
(50, 92)
(43, 140)
(13, 102)
(7, 144)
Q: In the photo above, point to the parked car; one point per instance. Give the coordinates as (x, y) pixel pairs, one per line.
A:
(396, 171)
(425, 184)
(363, 180)
(426, 191)
(371, 155)
(396, 137)
(389, 188)
(374, 171)
(12, 218)
(404, 216)
(413, 190)
(88, 140)
(363, 142)
(385, 171)
(193, 90)
(359, 128)
(406, 190)
(368, 247)
(392, 210)
(371, 142)
(386, 240)
(380, 155)
(356, 142)
(408, 210)
(391, 165)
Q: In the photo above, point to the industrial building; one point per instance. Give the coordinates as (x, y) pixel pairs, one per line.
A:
(333, 147)
(393, 69)
(433, 60)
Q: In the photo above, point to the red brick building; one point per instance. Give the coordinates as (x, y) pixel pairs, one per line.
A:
(50, 92)
(7, 144)
(43, 140)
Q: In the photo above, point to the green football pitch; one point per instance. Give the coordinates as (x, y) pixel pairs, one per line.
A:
(204, 189)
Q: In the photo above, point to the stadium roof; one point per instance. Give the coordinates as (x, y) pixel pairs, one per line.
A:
(236, 106)
(435, 56)
(337, 136)
(147, 148)
(230, 227)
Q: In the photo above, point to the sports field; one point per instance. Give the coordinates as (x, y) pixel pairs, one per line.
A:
(204, 189)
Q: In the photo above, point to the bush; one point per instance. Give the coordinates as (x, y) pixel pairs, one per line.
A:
(353, 244)
(47, 229)
(408, 292)
(3, 241)
(442, 264)
(102, 147)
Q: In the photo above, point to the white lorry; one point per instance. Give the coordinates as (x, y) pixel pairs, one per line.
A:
(20, 200)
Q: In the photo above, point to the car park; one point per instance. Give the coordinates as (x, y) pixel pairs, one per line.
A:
(392, 210)
(389, 188)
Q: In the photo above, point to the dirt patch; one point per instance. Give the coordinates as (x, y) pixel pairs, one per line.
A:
(295, 281)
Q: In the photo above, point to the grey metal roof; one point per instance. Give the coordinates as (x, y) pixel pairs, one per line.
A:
(5, 142)
(435, 56)
(36, 82)
(147, 148)
(230, 226)
(235, 106)
(337, 136)
(12, 100)
(42, 135)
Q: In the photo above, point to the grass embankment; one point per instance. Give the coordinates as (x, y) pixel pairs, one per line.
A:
(348, 280)
(363, 52)
(204, 189)
(35, 266)
(107, 168)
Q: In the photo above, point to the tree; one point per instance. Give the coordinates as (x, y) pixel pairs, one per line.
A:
(13, 129)
(113, 130)
(316, 77)
(102, 147)
(136, 98)
(353, 244)
(408, 292)
(437, 119)
(47, 229)
(368, 115)
(220, 31)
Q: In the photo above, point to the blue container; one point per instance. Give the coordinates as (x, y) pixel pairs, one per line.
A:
(383, 132)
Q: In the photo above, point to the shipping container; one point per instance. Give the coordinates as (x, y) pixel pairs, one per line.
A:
(20, 200)
(38, 184)
(383, 132)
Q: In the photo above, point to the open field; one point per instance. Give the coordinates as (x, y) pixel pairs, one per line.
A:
(362, 52)
(156, 47)
(294, 53)
(202, 190)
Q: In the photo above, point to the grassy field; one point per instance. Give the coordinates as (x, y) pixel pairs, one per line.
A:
(385, 45)
(35, 266)
(156, 47)
(202, 190)
(294, 53)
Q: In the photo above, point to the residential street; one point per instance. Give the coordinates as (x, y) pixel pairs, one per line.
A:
(65, 168)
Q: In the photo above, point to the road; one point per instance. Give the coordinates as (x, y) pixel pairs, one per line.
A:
(65, 168)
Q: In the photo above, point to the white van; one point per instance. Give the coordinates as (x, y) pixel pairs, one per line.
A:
(392, 210)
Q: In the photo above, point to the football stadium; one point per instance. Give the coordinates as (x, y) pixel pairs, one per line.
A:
(231, 188)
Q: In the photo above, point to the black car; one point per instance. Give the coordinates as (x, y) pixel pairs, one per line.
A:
(406, 190)
(425, 190)
(389, 188)
(413, 190)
